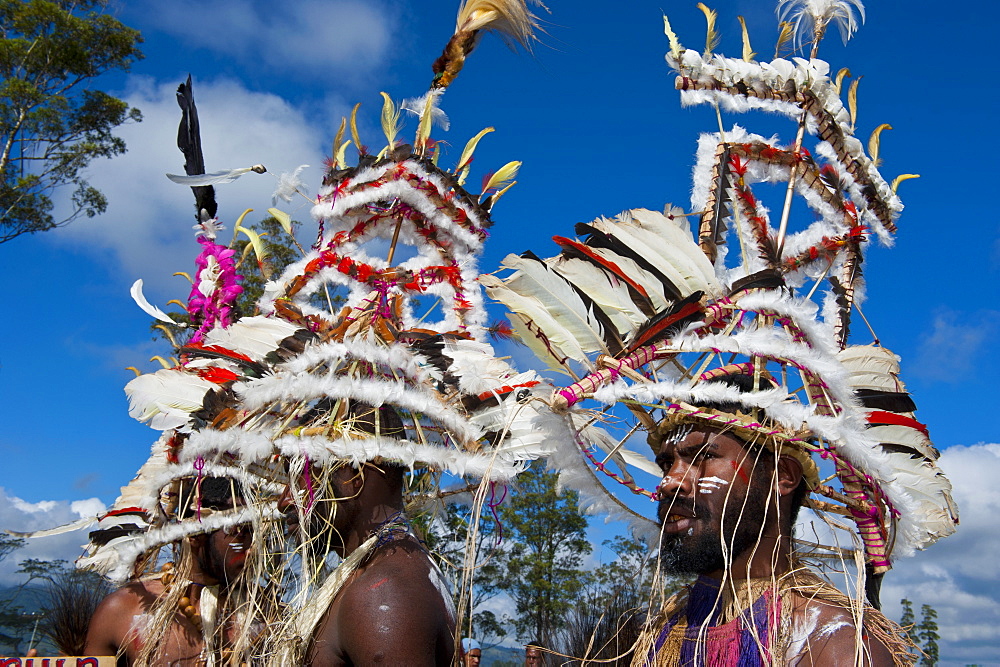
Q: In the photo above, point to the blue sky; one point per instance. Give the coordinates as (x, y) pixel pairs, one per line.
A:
(593, 115)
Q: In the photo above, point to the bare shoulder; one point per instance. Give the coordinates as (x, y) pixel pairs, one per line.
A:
(403, 607)
(114, 617)
(829, 635)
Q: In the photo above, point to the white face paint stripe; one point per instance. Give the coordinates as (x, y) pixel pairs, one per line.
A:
(708, 484)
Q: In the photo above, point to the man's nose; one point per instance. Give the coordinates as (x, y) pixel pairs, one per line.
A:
(677, 481)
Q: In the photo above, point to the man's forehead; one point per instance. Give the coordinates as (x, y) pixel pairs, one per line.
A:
(690, 435)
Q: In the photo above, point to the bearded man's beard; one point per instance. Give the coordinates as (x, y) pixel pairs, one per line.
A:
(703, 552)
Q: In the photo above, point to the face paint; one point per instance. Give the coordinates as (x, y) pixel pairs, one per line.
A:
(709, 484)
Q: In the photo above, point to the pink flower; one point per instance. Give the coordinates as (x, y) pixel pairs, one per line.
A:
(215, 288)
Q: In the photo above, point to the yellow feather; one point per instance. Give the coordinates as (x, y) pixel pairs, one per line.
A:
(839, 81)
(186, 275)
(501, 192)
(134, 370)
(166, 332)
(465, 161)
(354, 127)
(785, 32)
(874, 142)
(503, 174)
(436, 155)
(899, 179)
(259, 248)
(675, 45)
(508, 17)
(390, 120)
(852, 101)
(283, 218)
(748, 53)
(711, 36)
(163, 362)
(426, 118)
(336, 144)
(341, 158)
(179, 303)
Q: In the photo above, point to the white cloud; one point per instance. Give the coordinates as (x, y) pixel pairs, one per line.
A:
(959, 576)
(952, 348)
(147, 227)
(22, 516)
(296, 39)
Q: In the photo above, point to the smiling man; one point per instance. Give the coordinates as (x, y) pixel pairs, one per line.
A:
(163, 621)
(727, 502)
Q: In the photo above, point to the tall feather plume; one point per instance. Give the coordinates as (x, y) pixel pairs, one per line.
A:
(711, 36)
(465, 161)
(390, 120)
(811, 18)
(874, 143)
(852, 101)
(748, 52)
(510, 18)
(338, 146)
(260, 249)
(354, 129)
(785, 32)
(675, 45)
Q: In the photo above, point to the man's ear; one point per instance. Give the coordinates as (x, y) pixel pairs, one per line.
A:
(789, 472)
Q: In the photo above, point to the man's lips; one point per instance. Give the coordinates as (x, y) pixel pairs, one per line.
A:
(677, 516)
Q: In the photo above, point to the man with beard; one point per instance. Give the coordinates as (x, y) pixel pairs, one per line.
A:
(161, 621)
(727, 507)
(386, 602)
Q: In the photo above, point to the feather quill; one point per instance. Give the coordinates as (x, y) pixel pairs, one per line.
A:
(149, 308)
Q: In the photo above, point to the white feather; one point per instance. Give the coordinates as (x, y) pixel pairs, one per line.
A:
(255, 337)
(149, 308)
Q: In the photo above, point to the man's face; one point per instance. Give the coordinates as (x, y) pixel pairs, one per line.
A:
(533, 657)
(227, 551)
(472, 657)
(712, 500)
(224, 551)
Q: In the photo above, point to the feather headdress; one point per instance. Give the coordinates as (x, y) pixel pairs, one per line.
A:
(666, 328)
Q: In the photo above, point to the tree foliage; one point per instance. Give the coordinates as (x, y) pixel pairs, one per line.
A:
(547, 543)
(928, 633)
(52, 125)
(15, 623)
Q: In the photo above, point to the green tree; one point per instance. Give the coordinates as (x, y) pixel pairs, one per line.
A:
(928, 633)
(52, 125)
(546, 538)
(15, 622)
